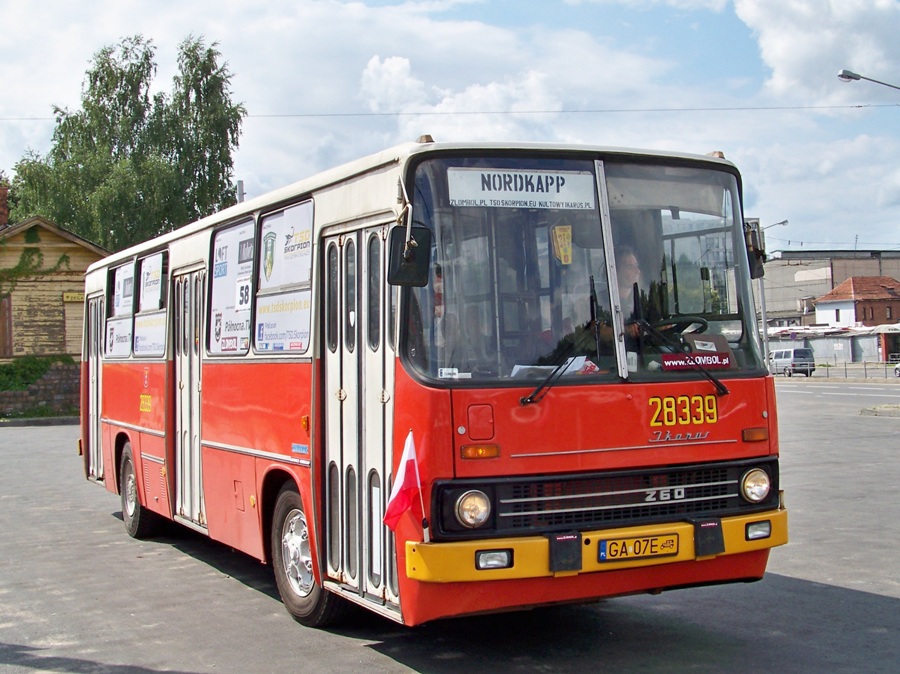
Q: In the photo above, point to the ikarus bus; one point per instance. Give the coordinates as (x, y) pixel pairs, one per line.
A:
(539, 364)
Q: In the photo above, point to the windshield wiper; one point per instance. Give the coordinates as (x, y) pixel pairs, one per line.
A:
(549, 380)
(721, 389)
(595, 323)
(559, 370)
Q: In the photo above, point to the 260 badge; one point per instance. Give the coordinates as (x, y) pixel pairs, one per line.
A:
(683, 410)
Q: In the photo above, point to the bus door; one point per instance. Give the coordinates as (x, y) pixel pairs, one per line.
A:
(189, 312)
(93, 348)
(357, 398)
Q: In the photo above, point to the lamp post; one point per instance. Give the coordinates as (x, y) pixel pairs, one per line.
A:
(762, 296)
(850, 76)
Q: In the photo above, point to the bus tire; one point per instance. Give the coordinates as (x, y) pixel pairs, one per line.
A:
(304, 598)
(139, 522)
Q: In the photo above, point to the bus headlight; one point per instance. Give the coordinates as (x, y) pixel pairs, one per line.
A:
(755, 485)
(473, 508)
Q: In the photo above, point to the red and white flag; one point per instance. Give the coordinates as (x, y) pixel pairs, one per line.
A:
(406, 485)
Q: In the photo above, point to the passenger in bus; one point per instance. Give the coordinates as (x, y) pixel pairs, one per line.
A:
(596, 338)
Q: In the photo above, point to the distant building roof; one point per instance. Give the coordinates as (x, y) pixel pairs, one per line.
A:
(832, 254)
(857, 288)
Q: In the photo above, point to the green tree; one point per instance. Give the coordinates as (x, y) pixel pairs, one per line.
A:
(130, 165)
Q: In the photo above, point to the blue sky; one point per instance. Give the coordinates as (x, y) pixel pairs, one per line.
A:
(755, 79)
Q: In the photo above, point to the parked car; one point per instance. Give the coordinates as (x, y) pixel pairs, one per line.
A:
(789, 361)
(897, 370)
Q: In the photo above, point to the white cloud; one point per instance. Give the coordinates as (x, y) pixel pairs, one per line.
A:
(714, 5)
(311, 74)
(806, 42)
(889, 190)
(389, 86)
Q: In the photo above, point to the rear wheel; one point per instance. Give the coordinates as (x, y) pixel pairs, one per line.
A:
(139, 522)
(304, 598)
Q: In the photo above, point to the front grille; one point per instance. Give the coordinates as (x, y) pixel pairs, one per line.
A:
(605, 500)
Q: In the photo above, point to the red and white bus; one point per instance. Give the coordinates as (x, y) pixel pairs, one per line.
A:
(563, 338)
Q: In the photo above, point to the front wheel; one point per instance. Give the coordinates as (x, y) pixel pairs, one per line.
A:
(303, 597)
(139, 522)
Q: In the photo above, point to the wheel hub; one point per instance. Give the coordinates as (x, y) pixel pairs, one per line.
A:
(295, 553)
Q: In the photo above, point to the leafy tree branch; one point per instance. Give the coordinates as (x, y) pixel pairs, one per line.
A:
(130, 165)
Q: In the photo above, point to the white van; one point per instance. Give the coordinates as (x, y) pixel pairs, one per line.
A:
(789, 361)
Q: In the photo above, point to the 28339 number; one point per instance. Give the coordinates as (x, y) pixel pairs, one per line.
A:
(683, 410)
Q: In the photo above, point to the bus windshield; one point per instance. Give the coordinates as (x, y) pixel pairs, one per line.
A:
(605, 268)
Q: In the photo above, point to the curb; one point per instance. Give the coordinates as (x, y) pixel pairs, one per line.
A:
(881, 411)
(40, 421)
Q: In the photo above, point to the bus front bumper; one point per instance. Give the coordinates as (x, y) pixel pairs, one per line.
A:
(603, 550)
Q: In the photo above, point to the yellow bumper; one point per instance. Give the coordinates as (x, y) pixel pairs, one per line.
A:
(455, 561)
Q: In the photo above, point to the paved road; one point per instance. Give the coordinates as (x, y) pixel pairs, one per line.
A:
(78, 595)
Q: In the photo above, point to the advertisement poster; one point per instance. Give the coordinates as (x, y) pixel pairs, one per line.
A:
(286, 258)
(118, 337)
(282, 321)
(123, 292)
(230, 301)
(151, 283)
(150, 334)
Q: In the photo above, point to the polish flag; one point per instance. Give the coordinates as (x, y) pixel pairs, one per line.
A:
(406, 485)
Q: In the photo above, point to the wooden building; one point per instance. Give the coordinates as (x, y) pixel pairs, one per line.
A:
(42, 288)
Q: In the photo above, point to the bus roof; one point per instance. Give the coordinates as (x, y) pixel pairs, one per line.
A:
(394, 155)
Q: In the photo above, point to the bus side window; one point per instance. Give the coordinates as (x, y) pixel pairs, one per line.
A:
(120, 322)
(373, 327)
(350, 311)
(150, 321)
(331, 304)
(232, 289)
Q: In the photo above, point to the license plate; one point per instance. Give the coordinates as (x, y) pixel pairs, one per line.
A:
(639, 547)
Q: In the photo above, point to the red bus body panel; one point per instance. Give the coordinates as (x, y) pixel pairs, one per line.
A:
(257, 406)
(572, 430)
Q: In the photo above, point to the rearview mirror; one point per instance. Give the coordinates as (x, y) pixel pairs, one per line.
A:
(408, 259)
(756, 253)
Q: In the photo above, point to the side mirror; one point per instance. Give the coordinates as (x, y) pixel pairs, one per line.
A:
(408, 258)
(756, 253)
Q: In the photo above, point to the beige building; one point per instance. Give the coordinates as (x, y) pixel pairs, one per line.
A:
(42, 288)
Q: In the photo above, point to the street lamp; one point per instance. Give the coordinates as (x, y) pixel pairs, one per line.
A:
(850, 76)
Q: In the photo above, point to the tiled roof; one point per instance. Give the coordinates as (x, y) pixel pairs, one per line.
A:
(858, 288)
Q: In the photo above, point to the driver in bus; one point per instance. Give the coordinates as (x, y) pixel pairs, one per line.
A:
(635, 303)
